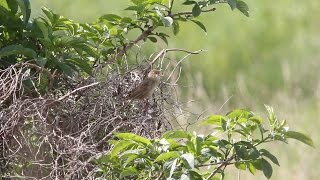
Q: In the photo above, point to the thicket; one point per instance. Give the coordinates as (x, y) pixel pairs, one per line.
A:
(63, 113)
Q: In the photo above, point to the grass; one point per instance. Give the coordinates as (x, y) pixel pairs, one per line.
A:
(270, 58)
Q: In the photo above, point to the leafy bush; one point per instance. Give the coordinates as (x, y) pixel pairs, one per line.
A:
(50, 128)
(182, 155)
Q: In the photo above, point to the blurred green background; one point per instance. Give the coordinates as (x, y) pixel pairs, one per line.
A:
(272, 57)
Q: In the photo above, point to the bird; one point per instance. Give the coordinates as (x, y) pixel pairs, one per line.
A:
(146, 88)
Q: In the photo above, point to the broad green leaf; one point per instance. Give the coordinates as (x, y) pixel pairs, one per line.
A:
(300, 137)
(232, 4)
(119, 147)
(87, 48)
(65, 68)
(267, 154)
(129, 171)
(195, 174)
(266, 168)
(176, 134)
(240, 165)
(191, 147)
(243, 7)
(17, 50)
(188, 159)
(256, 119)
(111, 17)
(41, 61)
(251, 168)
(214, 119)
(25, 9)
(239, 113)
(152, 39)
(130, 158)
(4, 4)
(48, 13)
(163, 37)
(133, 137)
(199, 140)
(167, 155)
(44, 28)
(199, 24)
(167, 21)
(135, 8)
(196, 10)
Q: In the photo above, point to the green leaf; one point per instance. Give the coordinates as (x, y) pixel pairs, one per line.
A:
(129, 171)
(199, 24)
(271, 116)
(300, 137)
(251, 168)
(48, 13)
(4, 5)
(152, 39)
(25, 9)
(256, 119)
(130, 158)
(163, 36)
(135, 8)
(167, 155)
(66, 69)
(111, 17)
(196, 10)
(44, 28)
(266, 168)
(214, 120)
(267, 154)
(232, 4)
(188, 159)
(189, 2)
(240, 165)
(41, 61)
(133, 137)
(13, 5)
(17, 50)
(167, 21)
(119, 147)
(176, 27)
(138, 2)
(176, 134)
(243, 7)
(239, 113)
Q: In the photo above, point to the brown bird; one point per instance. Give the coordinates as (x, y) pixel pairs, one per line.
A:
(146, 88)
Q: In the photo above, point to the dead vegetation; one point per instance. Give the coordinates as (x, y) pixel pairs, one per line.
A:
(57, 135)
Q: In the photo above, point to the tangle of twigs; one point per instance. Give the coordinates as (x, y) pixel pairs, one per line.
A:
(58, 136)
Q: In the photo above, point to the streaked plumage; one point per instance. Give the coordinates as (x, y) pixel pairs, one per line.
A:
(146, 88)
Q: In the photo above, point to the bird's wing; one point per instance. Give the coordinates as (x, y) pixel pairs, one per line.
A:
(141, 90)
